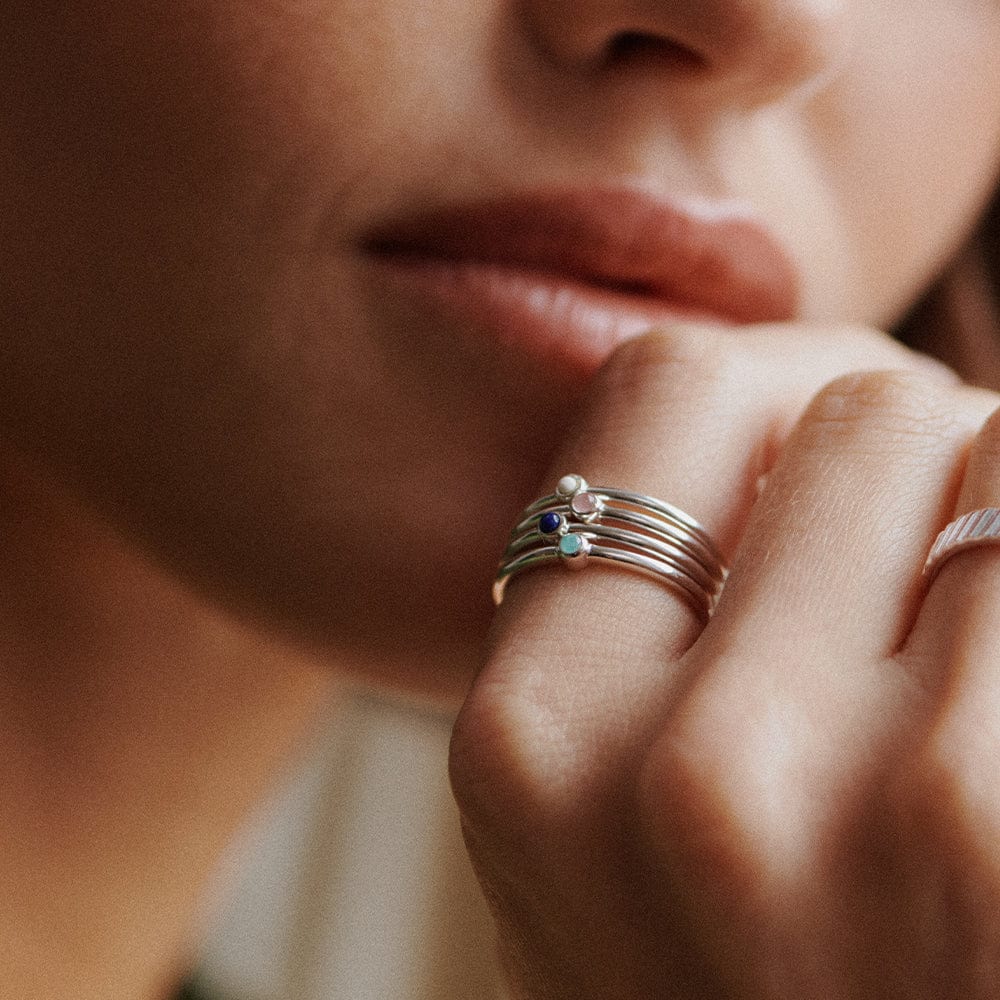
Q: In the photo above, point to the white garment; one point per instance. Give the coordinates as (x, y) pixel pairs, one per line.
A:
(353, 884)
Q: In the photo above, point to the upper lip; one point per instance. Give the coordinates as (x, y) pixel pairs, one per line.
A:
(698, 256)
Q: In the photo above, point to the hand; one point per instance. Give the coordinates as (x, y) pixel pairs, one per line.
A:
(799, 800)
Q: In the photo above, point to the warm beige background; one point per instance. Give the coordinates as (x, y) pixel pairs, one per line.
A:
(353, 884)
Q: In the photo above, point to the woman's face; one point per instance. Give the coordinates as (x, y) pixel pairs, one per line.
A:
(222, 220)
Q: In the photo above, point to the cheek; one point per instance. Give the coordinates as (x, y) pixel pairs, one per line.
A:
(911, 137)
(145, 156)
(181, 183)
(167, 172)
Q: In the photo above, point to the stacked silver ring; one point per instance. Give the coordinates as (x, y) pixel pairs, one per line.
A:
(579, 523)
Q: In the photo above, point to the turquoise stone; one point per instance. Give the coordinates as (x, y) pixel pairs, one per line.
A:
(570, 545)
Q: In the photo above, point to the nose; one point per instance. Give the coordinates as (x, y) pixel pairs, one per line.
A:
(751, 52)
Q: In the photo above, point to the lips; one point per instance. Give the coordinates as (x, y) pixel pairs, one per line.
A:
(568, 274)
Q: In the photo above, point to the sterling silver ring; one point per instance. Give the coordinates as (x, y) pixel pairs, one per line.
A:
(980, 527)
(579, 523)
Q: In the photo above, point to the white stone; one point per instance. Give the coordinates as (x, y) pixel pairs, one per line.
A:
(568, 485)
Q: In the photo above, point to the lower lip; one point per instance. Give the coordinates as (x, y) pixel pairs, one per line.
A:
(557, 321)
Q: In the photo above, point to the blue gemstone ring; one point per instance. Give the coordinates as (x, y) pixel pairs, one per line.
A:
(551, 523)
(578, 524)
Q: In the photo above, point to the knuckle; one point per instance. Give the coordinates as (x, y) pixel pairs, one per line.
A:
(862, 395)
(889, 407)
(504, 762)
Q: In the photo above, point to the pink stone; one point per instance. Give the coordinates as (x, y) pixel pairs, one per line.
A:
(585, 504)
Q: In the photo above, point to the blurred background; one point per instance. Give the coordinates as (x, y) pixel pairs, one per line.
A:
(352, 882)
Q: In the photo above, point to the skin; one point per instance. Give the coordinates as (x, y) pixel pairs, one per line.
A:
(186, 189)
(207, 386)
(796, 800)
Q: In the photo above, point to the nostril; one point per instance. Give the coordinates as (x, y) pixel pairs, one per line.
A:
(637, 47)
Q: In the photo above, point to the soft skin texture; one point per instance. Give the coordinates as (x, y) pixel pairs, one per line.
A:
(224, 437)
(201, 346)
(798, 799)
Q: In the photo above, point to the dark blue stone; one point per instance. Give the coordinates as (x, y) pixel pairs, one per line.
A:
(549, 523)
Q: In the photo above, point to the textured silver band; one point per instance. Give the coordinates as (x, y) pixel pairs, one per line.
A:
(578, 523)
(980, 527)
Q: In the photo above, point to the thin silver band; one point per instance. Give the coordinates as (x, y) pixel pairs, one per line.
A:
(693, 543)
(579, 522)
(665, 511)
(671, 554)
(701, 600)
(980, 527)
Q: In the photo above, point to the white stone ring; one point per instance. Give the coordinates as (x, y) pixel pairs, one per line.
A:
(579, 523)
(980, 527)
